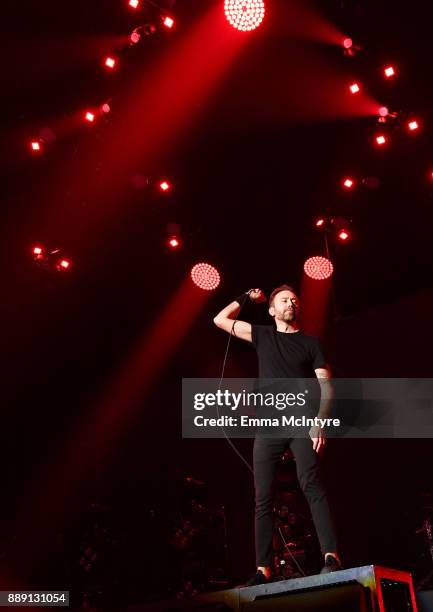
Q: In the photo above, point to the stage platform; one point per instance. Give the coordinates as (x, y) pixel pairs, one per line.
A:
(369, 588)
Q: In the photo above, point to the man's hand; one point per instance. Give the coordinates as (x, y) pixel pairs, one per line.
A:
(317, 435)
(257, 295)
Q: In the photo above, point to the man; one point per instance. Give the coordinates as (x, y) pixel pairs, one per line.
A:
(285, 352)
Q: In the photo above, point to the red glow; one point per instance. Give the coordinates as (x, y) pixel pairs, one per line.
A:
(35, 146)
(347, 43)
(168, 22)
(164, 186)
(380, 140)
(413, 125)
(110, 62)
(318, 268)
(174, 242)
(63, 264)
(343, 234)
(348, 183)
(205, 276)
(135, 37)
(134, 3)
(383, 111)
(389, 72)
(320, 222)
(90, 117)
(37, 250)
(244, 15)
(105, 108)
(354, 88)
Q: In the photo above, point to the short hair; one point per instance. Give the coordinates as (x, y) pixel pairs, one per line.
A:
(278, 290)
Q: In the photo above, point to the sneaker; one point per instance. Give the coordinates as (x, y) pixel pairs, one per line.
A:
(332, 564)
(258, 578)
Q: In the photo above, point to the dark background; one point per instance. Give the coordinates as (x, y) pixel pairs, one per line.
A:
(262, 159)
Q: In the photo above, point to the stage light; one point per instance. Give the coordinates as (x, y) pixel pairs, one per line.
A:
(354, 88)
(167, 22)
(174, 242)
(135, 37)
(318, 268)
(133, 3)
(37, 251)
(383, 111)
(348, 183)
(63, 264)
(105, 108)
(347, 43)
(35, 146)
(413, 125)
(343, 235)
(244, 15)
(381, 140)
(164, 186)
(389, 72)
(205, 276)
(90, 117)
(110, 62)
(320, 222)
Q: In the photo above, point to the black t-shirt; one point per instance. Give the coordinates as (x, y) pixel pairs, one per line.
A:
(286, 355)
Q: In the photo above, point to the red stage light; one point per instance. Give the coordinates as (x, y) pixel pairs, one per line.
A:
(135, 37)
(35, 146)
(90, 117)
(348, 183)
(413, 125)
(174, 242)
(354, 88)
(380, 140)
(347, 43)
(244, 15)
(318, 268)
(205, 276)
(168, 22)
(37, 250)
(110, 62)
(105, 108)
(383, 111)
(134, 3)
(63, 264)
(320, 222)
(389, 72)
(343, 234)
(164, 186)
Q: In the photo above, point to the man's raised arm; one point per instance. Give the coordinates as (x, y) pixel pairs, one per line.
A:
(226, 319)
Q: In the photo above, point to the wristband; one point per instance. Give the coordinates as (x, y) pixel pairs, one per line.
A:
(241, 299)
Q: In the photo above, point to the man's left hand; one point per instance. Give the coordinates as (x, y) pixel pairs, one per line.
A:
(317, 435)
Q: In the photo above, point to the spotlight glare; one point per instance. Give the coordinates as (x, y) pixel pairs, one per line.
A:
(164, 186)
(347, 43)
(244, 15)
(134, 3)
(348, 183)
(105, 108)
(413, 125)
(383, 111)
(36, 146)
(389, 72)
(320, 222)
(381, 140)
(174, 242)
(354, 88)
(63, 264)
(135, 37)
(343, 235)
(110, 62)
(205, 276)
(37, 250)
(90, 117)
(168, 22)
(318, 268)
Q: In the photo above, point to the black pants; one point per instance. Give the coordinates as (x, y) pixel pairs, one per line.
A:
(267, 452)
